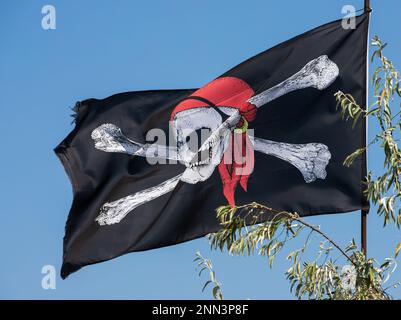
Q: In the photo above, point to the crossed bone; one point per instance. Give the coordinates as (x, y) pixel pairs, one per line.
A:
(310, 159)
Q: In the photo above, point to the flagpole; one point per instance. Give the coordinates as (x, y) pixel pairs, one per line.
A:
(367, 7)
(364, 212)
(364, 215)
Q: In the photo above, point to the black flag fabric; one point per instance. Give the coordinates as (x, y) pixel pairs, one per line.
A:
(137, 190)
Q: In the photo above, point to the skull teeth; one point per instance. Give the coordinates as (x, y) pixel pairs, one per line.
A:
(199, 163)
(208, 146)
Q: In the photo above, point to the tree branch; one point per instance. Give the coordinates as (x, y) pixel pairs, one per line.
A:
(295, 216)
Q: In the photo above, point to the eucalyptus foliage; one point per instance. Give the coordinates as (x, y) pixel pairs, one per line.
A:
(335, 273)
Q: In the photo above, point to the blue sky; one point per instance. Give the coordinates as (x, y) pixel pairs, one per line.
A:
(104, 47)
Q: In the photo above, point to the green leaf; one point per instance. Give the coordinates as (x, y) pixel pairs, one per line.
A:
(351, 158)
(371, 275)
(397, 250)
(206, 284)
(217, 293)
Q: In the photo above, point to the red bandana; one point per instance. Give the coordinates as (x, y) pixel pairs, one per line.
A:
(230, 92)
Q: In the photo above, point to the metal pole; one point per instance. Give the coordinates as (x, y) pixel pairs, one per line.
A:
(364, 216)
(367, 7)
(364, 213)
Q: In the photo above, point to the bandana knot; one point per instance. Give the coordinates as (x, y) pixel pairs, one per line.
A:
(238, 160)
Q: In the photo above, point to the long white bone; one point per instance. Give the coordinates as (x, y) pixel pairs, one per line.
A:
(113, 212)
(318, 73)
(310, 159)
(109, 138)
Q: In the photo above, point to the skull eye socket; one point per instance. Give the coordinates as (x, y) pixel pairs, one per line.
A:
(199, 136)
(203, 153)
(195, 139)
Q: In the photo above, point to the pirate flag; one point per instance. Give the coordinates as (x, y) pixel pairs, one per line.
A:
(149, 168)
